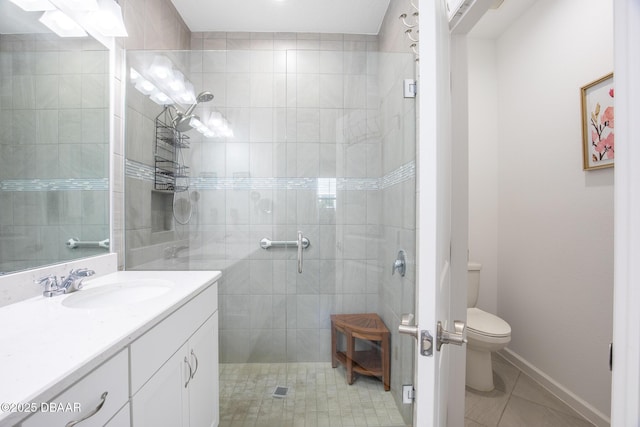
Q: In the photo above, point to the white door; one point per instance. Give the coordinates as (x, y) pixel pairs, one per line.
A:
(625, 399)
(442, 209)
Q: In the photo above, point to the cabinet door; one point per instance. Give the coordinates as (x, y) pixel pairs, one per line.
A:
(122, 418)
(203, 388)
(163, 400)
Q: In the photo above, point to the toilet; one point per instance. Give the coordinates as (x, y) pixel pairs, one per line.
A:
(485, 333)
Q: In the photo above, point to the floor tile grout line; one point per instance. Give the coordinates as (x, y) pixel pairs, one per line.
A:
(515, 384)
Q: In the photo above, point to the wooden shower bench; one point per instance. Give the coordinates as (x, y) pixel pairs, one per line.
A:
(373, 362)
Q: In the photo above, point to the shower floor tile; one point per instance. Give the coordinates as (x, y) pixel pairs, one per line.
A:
(317, 396)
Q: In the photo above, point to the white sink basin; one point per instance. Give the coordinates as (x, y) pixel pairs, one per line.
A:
(119, 293)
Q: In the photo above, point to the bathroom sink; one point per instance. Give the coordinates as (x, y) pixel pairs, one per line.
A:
(118, 293)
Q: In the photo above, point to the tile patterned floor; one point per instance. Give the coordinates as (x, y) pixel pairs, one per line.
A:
(318, 396)
(517, 401)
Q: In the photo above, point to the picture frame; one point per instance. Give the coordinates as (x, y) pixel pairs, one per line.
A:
(597, 102)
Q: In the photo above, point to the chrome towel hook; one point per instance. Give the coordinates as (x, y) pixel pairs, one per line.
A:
(410, 33)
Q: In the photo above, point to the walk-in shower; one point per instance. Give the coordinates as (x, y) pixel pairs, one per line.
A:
(324, 143)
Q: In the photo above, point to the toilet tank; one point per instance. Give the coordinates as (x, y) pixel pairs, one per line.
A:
(473, 277)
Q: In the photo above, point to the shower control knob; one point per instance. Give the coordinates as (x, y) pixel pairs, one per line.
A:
(400, 264)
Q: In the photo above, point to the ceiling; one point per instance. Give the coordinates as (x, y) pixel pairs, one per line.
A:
(308, 16)
(496, 21)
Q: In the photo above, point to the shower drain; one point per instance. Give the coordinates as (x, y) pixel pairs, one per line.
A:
(280, 392)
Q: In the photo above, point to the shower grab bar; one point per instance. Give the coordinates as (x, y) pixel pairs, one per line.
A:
(300, 247)
(74, 243)
(301, 243)
(268, 243)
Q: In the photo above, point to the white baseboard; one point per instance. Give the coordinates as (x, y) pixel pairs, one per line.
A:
(576, 403)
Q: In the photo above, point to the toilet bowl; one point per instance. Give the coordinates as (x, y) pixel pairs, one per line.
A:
(486, 333)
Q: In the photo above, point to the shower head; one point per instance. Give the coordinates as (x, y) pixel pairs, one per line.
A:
(181, 122)
(204, 97)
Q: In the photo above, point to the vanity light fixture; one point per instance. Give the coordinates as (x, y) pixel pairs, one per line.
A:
(61, 24)
(145, 87)
(220, 125)
(161, 68)
(166, 86)
(160, 98)
(76, 4)
(107, 19)
(97, 17)
(176, 84)
(188, 95)
(33, 5)
(162, 74)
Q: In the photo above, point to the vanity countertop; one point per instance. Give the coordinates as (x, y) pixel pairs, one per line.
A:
(46, 346)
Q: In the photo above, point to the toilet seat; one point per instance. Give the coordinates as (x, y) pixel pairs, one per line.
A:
(486, 324)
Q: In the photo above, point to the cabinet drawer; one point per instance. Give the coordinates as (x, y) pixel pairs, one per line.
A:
(85, 396)
(153, 349)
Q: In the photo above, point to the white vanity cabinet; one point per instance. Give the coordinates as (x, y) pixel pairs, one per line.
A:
(174, 368)
(142, 363)
(203, 386)
(97, 398)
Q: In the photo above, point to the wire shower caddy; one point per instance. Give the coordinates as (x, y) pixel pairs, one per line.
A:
(171, 174)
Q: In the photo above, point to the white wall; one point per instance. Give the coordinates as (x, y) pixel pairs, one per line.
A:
(554, 221)
(483, 168)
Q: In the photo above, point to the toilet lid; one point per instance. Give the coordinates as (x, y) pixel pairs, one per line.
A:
(484, 323)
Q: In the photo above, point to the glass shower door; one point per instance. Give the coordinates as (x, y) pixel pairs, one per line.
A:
(322, 142)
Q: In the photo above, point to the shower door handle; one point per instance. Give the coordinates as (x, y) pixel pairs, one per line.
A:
(300, 247)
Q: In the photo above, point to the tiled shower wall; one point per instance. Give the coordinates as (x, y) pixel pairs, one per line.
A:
(307, 154)
(54, 148)
(323, 141)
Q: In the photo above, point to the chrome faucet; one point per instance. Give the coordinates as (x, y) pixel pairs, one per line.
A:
(50, 284)
(67, 284)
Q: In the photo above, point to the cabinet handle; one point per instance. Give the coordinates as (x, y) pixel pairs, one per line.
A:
(190, 372)
(103, 399)
(196, 369)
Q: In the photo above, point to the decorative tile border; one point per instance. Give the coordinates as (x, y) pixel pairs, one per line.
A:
(138, 170)
(62, 184)
(405, 172)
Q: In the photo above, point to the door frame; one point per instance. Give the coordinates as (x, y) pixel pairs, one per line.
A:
(625, 398)
(625, 393)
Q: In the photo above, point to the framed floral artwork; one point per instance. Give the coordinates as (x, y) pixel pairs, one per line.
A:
(598, 147)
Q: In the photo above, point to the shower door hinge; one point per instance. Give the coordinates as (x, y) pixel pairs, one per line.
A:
(410, 88)
(408, 394)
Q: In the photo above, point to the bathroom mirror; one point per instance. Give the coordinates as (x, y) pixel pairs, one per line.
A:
(54, 143)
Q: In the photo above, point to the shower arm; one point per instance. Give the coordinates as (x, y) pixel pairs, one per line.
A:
(190, 109)
(179, 115)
